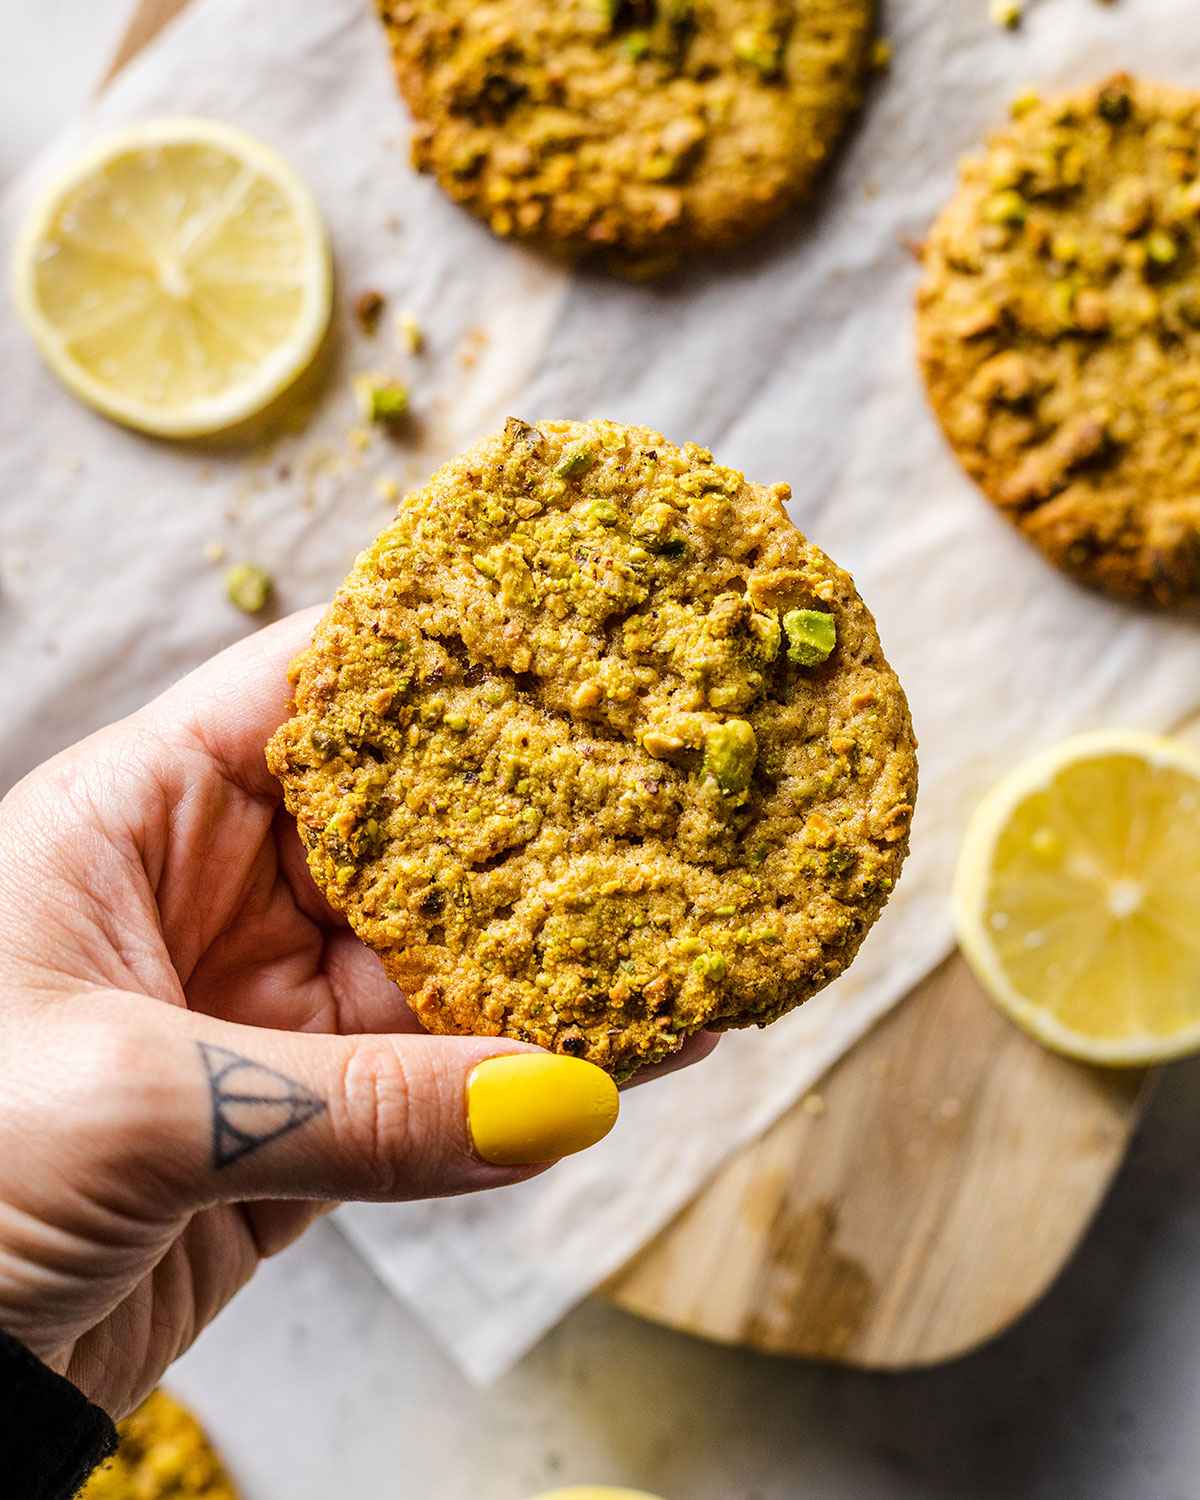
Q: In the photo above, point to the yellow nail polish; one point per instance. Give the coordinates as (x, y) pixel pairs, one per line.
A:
(530, 1107)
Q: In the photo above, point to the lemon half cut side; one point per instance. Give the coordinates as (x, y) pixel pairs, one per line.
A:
(176, 277)
(1077, 897)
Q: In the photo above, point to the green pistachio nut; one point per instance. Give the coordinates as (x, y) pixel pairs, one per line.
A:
(812, 635)
(388, 403)
(710, 965)
(730, 753)
(576, 461)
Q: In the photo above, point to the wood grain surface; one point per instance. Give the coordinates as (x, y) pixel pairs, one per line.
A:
(916, 1204)
(912, 1207)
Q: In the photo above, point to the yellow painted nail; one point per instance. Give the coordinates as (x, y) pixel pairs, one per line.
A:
(530, 1107)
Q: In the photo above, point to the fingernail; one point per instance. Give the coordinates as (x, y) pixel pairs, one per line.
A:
(530, 1107)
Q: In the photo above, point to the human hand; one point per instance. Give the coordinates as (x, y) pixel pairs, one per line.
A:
(195, 1052)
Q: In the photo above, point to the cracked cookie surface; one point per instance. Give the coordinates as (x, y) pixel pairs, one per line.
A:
(597, 751)
(646, 127)
(1059, 332)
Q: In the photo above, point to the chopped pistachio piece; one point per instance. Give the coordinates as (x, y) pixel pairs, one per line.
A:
(603, 512)
(730, 753)
(248, 588)
(711, 965)
(576, 461)
(760, 48)
(411, 332)
(388, 403)
(812, 635)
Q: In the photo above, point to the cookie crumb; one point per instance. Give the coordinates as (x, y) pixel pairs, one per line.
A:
(814, 1105)
(412, 335)
(368, 309)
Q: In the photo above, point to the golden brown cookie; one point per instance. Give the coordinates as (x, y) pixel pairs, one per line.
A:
(596, 750)
(1059, 328)
(164, 1454)
(646, 127)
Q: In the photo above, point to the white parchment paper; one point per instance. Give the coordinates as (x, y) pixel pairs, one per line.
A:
(794, 361)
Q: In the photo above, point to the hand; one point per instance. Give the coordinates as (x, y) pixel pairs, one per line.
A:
(189, 1038)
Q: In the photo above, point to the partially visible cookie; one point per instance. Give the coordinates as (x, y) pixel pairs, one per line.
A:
(596, 750)
(1059, 328)
(164, 1454)
(645, 127)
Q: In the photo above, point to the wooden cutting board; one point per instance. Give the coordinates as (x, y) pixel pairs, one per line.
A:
(914, 1206)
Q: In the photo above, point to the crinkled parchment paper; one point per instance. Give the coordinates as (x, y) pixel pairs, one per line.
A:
(793, 361)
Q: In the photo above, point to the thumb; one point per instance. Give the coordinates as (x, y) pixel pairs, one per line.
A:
(234, 1112)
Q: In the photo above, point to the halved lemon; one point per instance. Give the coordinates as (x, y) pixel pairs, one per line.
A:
(1077, 897)
(176, 277)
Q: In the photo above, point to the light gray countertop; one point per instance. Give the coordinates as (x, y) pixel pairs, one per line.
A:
(317, 1384)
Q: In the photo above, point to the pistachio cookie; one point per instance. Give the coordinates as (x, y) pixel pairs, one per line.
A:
(1059, 328)
(641, 127)
(596, 750)
(163, 1455)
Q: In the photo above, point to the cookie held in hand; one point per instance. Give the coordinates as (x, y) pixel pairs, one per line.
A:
(597, 751)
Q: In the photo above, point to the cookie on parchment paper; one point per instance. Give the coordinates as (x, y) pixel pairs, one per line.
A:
(638, 128)
(1059, 332)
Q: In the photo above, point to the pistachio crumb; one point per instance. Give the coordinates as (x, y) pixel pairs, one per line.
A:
(381, 400)
(411, 333)
(248, 588)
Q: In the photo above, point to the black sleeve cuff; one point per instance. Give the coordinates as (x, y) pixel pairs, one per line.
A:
(51, 1436)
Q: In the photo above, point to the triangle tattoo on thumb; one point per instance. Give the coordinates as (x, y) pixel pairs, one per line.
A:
(252, 1105)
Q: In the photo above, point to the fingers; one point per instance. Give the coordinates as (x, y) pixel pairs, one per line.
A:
(226, 1112)
(232, 705)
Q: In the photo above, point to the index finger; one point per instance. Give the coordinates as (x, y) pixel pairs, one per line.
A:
(231, 706)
